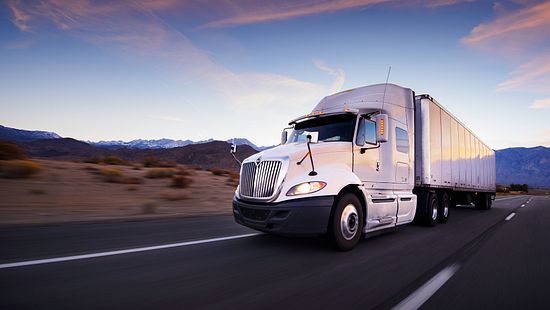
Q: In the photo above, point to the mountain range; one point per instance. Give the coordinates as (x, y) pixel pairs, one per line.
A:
(513, 165)
(167, 143)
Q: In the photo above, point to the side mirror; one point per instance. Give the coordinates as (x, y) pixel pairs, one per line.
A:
(313, 137)
(284, 137)
(382, 128)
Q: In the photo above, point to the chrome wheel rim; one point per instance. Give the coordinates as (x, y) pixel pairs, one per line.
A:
(349, 222)
(434, 212)
(446, 211)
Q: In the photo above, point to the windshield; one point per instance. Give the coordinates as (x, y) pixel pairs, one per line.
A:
(330, 128)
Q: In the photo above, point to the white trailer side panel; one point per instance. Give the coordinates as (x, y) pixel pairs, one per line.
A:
(448, 154)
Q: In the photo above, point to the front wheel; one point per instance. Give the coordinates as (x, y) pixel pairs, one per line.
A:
(347, 222)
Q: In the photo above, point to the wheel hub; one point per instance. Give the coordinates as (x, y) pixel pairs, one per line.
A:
(349, 222)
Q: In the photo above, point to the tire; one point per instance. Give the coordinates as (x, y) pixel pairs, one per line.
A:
(433, 210)
(346, 226)
(444, 208)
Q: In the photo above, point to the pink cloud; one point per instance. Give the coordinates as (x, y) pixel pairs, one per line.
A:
(245, 12)
(520, 36)
(541, 104)
(535, 18)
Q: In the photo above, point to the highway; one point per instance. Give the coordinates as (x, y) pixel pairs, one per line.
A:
(495, 259)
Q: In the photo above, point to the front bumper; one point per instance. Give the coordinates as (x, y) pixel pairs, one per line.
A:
(305, 216)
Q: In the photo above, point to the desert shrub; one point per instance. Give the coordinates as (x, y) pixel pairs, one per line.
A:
(233, 178)
(113, 160)
(159, 173)
(10, 151)
(37, 191)
(218, 172)
(519, 187)
(111, 175)
(19, 169)
(151, 162)
(132, 188)
(181, 181)
(183, 171)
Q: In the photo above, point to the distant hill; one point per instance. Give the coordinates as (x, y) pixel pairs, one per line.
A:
(524, 166)
(12, 134)
(207, 155)
(62, 148)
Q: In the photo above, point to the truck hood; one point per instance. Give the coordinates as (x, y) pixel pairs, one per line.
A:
(296, 151)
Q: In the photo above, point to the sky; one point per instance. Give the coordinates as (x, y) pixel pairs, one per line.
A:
(200, 69)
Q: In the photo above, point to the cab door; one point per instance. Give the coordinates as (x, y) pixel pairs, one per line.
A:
(367, 165)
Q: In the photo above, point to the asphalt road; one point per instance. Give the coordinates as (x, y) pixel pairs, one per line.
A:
(477, 260)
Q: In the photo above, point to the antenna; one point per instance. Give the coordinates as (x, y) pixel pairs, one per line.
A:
(385, 85)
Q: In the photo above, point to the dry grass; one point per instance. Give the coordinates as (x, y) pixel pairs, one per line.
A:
(10, 151)
(113, 160)
(113, 175)
(160, 173)
(153, 162)
(108, 160)
(18, 169)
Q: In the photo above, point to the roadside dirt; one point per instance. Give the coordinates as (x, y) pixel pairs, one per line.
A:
(79, 192)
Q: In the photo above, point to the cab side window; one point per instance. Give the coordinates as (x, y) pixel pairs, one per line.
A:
(401, 140)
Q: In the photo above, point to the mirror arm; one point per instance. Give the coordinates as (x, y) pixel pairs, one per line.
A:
(364, 149)
(233, 154)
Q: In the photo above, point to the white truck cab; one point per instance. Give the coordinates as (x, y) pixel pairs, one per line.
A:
(348, 168)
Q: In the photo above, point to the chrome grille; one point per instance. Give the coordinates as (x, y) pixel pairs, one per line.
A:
(259, 180)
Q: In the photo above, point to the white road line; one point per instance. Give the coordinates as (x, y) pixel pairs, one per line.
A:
(119, 252)
(505, 198)
(509, 217)
(422, 294)
(523, 205)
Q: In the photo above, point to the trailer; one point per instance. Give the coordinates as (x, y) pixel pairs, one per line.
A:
(365, 160)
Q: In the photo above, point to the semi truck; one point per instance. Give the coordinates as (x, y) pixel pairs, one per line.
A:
(365, 160)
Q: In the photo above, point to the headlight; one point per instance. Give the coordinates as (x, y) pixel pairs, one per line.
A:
(306, 188)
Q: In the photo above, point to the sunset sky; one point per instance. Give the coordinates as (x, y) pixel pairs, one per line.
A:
(123, 70)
